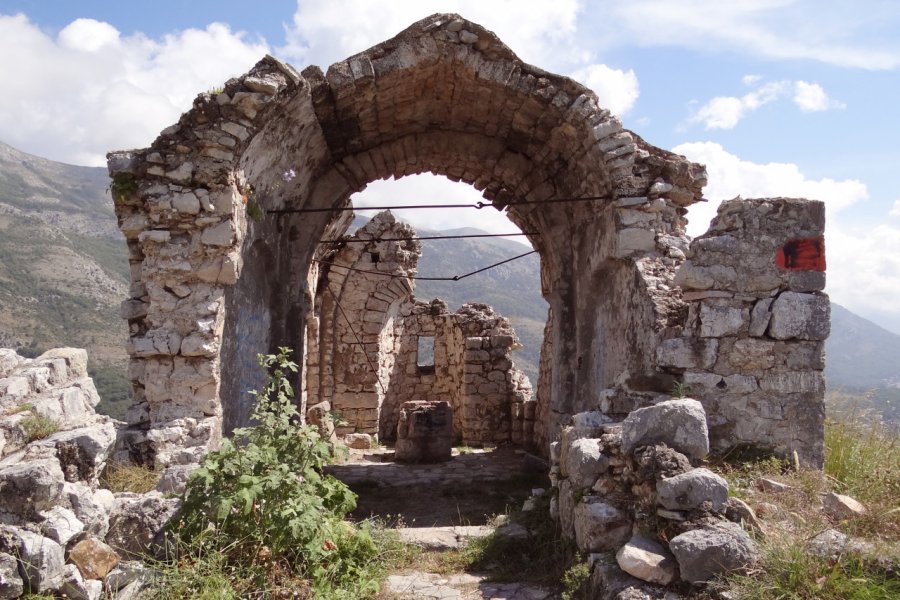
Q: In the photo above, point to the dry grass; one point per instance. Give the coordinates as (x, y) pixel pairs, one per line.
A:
(125, 477)
(862, 461)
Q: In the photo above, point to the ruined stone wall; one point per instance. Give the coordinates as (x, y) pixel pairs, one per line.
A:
(222, 262)
(364, 363)
(752, 347)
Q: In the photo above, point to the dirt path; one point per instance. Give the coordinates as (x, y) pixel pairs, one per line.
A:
(438, 507)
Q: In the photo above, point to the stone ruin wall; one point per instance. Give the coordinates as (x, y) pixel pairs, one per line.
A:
(362, 364)
(218, 277)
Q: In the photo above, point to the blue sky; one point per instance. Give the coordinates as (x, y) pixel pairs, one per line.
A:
(777, 97)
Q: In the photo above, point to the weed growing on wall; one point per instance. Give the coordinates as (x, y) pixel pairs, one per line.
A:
(263, 504)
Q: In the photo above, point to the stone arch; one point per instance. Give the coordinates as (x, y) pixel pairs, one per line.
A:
(444, 96)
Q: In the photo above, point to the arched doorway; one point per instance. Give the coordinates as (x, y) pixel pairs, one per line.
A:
(225, 211)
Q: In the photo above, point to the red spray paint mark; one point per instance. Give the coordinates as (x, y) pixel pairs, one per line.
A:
(807, 254)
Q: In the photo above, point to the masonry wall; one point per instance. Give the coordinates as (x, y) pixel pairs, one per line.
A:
(753, 342)
(364, 362)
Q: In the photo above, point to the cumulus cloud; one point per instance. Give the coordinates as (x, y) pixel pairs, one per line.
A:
(616, 90)
(433, 189)
(895, 210)
(89, 90)
(725, 112)
(811, 97)
(324, 31)
(836, 33)
(730, 176)
(869, 285)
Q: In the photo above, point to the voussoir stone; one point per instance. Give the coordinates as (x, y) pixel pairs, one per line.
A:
(718, 549)
(647, 560)
(679, 424)
(689, 490)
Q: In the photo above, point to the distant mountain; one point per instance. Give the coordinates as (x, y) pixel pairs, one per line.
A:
(63, 265)
(860, 354)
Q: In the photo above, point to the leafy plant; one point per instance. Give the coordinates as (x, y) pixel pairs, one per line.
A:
(681, 390)
(264, 496)
(122, 187)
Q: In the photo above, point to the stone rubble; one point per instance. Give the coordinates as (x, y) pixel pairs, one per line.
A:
(641, 489)
(60, 532)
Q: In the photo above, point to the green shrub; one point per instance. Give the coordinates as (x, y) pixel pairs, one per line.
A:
(37, 427)
(264, 505)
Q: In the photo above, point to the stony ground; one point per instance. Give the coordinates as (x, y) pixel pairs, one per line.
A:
(439, 507)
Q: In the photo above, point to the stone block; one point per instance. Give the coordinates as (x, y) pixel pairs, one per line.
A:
(11, 584)
(29, 488)
(722, 320)
(93, 558)
(689, 490)
(715, 550)
(60, 525)
(599, 527)
(647, 560)
(424, 432)
(585, 463)
(680, 424)
(800, 316)
(687, 353)
(634, 239)
(841, 507)
(40, 559)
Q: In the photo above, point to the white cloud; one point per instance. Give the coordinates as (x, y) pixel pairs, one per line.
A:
(863, 264)
(724, 112)
(895, 210)
(324, 31)
(749, 80)
(433, 189)
(836, 33)
(811, 97)
(729, 176)
(616, 90)
(90, 90)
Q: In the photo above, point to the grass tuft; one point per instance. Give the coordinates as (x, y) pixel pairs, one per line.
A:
(126, 477)
(37, 427)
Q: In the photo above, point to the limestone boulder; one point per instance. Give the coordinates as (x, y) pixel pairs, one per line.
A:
(679, 424)
(92, 507)
(60, 525)
(40, 559)
(585, 463)
(647, 560)
(76, 587)
(83, 452)
(174, 479)
(93, 558)
(125, 573)
(28, 488)
(136, 525)
(11, 584)
(689, 490)
(600, 527)
(358, 441)
(719, 549)
(841, 507)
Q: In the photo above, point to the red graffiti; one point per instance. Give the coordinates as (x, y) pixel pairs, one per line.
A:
(807, 254)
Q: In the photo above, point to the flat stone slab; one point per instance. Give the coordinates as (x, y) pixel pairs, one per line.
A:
(463, 586)
(443, 538)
